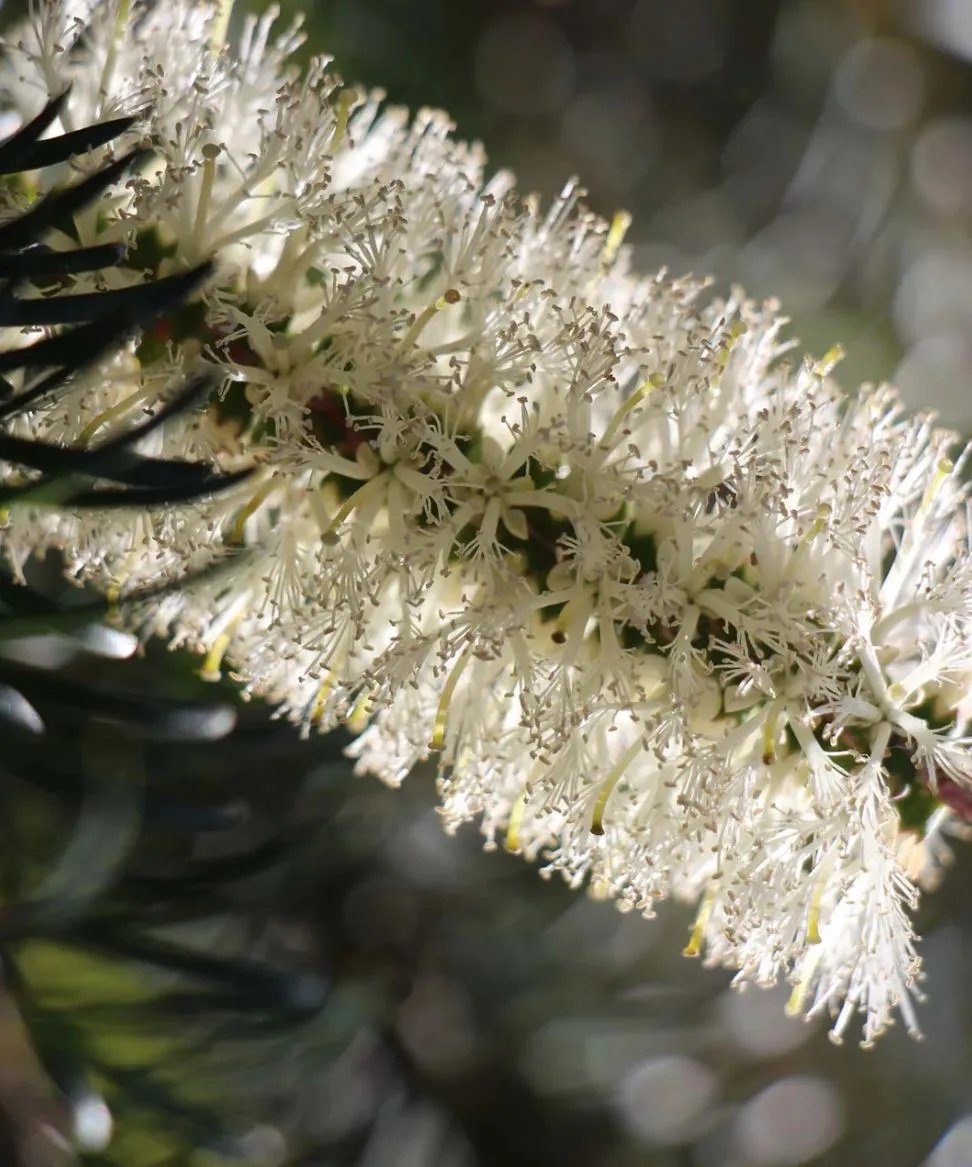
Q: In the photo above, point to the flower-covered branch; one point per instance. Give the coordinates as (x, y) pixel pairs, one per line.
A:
(674, 615)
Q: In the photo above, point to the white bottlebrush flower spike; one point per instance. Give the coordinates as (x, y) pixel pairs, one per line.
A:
(674, 615)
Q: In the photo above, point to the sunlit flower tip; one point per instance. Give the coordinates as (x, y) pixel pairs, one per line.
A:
(673, 615)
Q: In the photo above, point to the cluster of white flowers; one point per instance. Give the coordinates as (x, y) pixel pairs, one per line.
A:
(673, 614)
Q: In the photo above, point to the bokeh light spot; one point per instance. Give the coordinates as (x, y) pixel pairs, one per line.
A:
(941, 166)
(667, 1099)
(756, 1021)
(955, 1147)
(879, 83)
(790, 1122)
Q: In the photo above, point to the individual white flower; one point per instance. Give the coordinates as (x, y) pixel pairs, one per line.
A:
(675, 617)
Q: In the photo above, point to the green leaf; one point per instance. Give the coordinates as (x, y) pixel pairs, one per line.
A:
(105, 831)
(144, 715)
(56, 1043)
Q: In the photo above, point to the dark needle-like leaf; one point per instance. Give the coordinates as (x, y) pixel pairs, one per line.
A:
(19, 145)
(41, 262)
(61, 204)
(148, 298)
(51, 151)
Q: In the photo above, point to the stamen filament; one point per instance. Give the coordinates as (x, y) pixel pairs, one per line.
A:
(442, 713)
(330, 533)
(697, 936)
(210, 153)
(347, 100)
(770, 733)
(655, 381)
(236, 536)
(615, 237)
(418, 324)
(608, 785)
(512, 841)
(829, 361)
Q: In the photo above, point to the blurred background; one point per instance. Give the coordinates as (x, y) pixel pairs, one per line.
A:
(476, 1016)
(815, 150)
